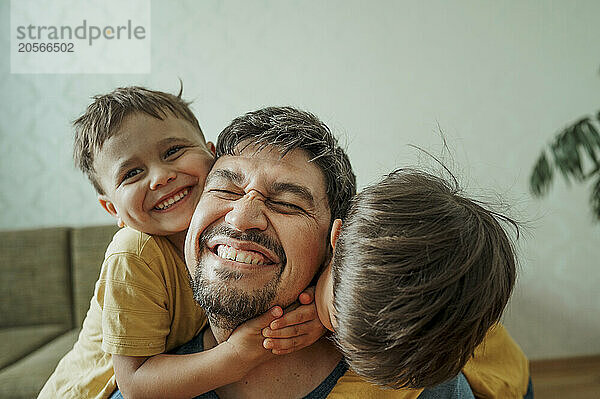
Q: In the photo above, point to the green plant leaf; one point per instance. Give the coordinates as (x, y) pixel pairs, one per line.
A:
(569, 149)
(566, 154)
(541, 177)
(595, 199)
(589, 139)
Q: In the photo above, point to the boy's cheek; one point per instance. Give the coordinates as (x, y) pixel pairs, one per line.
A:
(202, 180)
(324, 318)
(207, 165)
(323, 297)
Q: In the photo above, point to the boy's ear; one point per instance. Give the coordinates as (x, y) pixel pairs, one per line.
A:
(108, 206)
(211, 147)
(336, 229)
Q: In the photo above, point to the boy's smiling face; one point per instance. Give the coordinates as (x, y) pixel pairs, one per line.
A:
(152, 172)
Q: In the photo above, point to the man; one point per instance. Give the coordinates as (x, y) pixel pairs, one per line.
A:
(260, 235)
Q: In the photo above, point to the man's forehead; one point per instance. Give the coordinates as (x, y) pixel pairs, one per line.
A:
(270, 163)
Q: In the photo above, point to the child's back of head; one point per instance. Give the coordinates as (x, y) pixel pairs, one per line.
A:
(420, 274)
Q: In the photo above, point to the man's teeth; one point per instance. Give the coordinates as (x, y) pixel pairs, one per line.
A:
(170, 201)
(238, 255)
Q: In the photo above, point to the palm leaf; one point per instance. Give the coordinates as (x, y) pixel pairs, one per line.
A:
(542, 175)
(589, 138)
(573, 148)
(565, 150)
(595, 199)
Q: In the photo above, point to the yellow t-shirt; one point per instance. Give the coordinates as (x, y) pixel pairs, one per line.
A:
(498, 369)
(351, 386)
(142, 306)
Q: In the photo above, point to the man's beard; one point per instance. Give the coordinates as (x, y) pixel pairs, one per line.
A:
(227, 306)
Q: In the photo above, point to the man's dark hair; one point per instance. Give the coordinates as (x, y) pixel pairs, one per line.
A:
(286, 129)
(420, 274)
(104, 116)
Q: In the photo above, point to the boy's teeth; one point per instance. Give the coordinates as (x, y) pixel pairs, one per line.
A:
(248, 257)
(170, 201)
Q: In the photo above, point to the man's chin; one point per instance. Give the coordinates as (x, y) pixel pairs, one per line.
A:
(229, 298)
(229, 312)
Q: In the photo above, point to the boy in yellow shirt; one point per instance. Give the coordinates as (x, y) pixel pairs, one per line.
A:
(147, 158)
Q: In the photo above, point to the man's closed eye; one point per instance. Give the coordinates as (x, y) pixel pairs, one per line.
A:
(285, 207)
(226, 194)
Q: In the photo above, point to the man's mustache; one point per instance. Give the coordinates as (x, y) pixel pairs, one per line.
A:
(254, 236)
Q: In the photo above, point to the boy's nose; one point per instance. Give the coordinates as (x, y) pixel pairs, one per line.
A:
(248, 213)
(160, 177)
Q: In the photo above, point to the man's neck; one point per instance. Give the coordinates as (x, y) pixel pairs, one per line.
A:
(285, 376)
(217, 334)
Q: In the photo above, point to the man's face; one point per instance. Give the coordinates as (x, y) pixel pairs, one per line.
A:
(259, 233)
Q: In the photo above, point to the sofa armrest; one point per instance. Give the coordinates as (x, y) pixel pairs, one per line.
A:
(36, 278)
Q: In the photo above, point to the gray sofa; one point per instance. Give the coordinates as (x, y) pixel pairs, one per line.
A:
(48, 278)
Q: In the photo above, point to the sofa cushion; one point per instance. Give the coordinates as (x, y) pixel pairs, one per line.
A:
(25, 378)
(16, 342)
(36, 281)
(88, 247)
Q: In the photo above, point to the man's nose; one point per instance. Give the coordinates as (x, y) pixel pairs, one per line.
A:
(248, 213)
(160, 176)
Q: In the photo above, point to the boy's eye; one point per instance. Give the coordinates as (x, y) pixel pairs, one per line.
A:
(132, 173)
(173, 150)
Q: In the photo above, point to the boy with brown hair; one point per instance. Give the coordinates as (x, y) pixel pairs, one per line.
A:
(420, 276)
(147, 158)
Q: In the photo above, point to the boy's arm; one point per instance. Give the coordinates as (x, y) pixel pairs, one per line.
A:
(186, 376)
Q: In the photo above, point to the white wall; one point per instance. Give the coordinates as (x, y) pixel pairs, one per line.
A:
(500, 78)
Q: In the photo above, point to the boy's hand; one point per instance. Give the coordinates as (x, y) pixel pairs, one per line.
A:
(297, 329)
(247, 340)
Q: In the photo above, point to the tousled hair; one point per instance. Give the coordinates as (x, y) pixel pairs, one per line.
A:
(104, 116)
(286, 129)
(420, 274)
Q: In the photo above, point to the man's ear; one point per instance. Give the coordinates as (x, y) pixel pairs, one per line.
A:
(110, 208)
(336, 229)
(211, 147)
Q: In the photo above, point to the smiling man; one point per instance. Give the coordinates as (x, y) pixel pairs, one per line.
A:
(255, 207)
(260, 235)
(258, 238)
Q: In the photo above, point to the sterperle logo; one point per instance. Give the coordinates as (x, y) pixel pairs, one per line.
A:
(84, 31)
